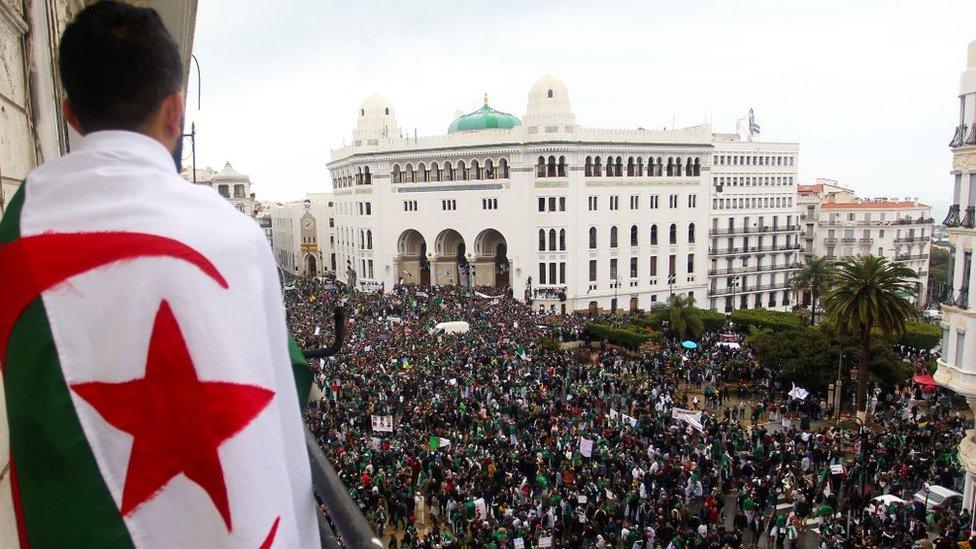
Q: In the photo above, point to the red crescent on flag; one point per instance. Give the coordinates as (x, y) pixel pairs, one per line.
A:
(34, 264)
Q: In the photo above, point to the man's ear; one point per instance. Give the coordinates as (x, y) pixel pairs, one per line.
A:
(69, 115)
(171, 115)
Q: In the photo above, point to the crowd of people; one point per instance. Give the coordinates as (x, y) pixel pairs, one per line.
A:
(519, 433)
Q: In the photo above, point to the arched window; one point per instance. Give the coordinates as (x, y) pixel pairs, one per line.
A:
(562, 240)
(475, 169)
(422, 168)
(691, 233)
(386, 111)
(435, 172)
(697, 166)
(673, 234)
(689, 168)
(411, 175)
(588, 169)
(613, 236)
(654, 235)
(552, 239)
(397, 176)
(561, 167)
(362, 239)
(542, 240)
(462, 172)
(503, 168)
(640, 166)
(677, 167)
(448, 172)
(550, 94)
(609, 166)
(630, 167)
(592, 238)
(369, 240)
(551, 171)
(660, 167)
(540, 167)
(633, 235)
(362, 112)
(368, 179)
(489, 169)
(620, 167)
(670, 166)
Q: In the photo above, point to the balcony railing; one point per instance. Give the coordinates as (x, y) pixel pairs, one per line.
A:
(752, 249)
(876, 222)
(341, 523)
(847, 240)
(908, 239)
(909, 257)
(754, 269)
(731, 290)
(867, 240)
(958, 136)
(718, 231)
(952, 218)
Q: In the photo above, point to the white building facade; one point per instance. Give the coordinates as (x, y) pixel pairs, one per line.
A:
(838, 226)
(957, 367)
(303, 235)
(753, 230)
(566, 216)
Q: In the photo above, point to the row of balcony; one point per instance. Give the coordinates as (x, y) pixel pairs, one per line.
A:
(909, 239)
(876, 222)
(909, 257)
(732, 290)
(968, 221)
(754, 269)
(752, 249)
(714, 231)
(959, 137)
(948, 297)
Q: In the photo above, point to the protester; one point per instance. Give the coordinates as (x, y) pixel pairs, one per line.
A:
(499, 437)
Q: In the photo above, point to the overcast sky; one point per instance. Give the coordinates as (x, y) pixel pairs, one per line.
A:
(868, 88)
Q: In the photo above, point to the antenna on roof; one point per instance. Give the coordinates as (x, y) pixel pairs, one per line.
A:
(486, 98)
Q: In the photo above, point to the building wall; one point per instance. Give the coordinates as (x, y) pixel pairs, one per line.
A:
(753, 225)
(957, 367)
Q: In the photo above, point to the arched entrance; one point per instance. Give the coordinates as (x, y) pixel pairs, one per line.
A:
(492, 267)
(450, 259)
(412, 264)
(311, 265)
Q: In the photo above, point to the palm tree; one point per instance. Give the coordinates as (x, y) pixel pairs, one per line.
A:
(683, 316)
(868, 292)
(814, 276)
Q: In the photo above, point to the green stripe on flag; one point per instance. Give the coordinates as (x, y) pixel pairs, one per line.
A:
(62, 493)
(301, 371)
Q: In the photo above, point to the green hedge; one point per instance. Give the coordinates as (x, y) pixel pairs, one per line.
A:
(618, 336)
(921, 335)
(713, 321)
(764, 319)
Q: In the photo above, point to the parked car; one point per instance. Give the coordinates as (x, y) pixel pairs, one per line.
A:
(934, 496)
(883, 502)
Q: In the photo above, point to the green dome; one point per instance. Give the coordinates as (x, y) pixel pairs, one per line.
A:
(484, 118)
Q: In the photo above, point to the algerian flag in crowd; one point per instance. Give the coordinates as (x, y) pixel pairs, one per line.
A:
(435, 442)
(149, 393)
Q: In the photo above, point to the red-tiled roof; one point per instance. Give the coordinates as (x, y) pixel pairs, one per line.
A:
(809, 188)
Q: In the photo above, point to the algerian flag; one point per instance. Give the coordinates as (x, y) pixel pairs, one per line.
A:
(149, 394)
(520, 351)
(435, 442)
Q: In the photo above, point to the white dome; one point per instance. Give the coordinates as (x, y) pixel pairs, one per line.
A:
(549, 103)
(376, 118)
(548, 88)
(376, 106)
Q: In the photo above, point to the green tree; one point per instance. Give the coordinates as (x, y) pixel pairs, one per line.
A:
(938, 267)
(684, 318)
(866, 293)
(814, 276)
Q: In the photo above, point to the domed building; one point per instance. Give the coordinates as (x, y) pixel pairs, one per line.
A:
(485, 118)
(564, 216)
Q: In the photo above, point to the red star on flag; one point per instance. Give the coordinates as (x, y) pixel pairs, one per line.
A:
(178, 422)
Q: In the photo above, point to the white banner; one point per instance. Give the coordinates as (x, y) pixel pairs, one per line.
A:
(383, 423)
(586, 447)
(480, 509)
(545, 542)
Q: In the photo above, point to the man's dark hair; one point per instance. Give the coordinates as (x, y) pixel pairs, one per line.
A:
(117, 64)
